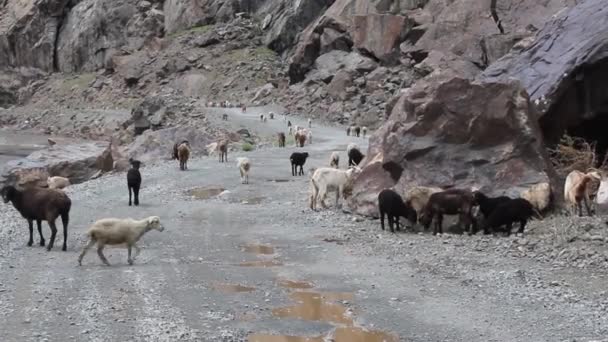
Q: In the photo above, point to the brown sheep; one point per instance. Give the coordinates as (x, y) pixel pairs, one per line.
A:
(281, 136)
(183, 153)
(300, 139)
(222, 148)
(41, 205)
(449, 202)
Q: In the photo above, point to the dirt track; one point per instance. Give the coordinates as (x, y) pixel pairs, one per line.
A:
(417, 287)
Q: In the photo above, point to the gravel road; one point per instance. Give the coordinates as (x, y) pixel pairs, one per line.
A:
(254, 262)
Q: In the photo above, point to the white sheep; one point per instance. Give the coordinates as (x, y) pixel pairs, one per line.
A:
(309, 123)
(577, 192)
(57, 182)
(418, 196)
(325, 178)
(115, 231)
(334, 160)
(539, 195)
(244, 166)
(364, 131)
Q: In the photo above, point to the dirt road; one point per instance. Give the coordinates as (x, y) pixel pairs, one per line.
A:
(255, 261)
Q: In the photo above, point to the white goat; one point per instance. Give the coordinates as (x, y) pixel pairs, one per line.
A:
(244, 166)
(309, 123)
(539, 195)
(309, 137)
(577, 189)
(327, 177)
(364, 131)
(334, 160)
(114, 231)
(418, 196)
(57, 182)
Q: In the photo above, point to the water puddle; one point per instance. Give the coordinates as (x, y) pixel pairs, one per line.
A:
(258, 249)
(261, 263)
(282, 338)
(205, 193)
(291, 284)
(361, 335)
(315, 306)
(233, 288)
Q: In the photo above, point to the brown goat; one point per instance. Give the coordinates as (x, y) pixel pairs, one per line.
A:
(41, 205)
(183, 153)
(300, 139)
(222, 148)
(450, 202)
(281, 136)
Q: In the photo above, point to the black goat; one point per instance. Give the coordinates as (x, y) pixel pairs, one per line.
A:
(354, 157)
(298, 159)
(488, 204)
(134, 180)
(357, 131)
(450, 202)
(508, 212)
(391, 204)
(41, 204)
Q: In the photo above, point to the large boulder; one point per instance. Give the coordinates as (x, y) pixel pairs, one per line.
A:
(28, 31)
(566, 48)
(380, 35)
(449, 131)
(77, 162)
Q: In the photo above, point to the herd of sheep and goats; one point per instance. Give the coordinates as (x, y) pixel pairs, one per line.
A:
(419, 204)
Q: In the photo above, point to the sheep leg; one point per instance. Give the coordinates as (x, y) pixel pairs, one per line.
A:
(136, 193)
(382, 220)
(509, 227)
(65, 219)
(129, 196)
(31, 226)
(53, 233)
(390, 222)
(293, 168)
(302, 170)
(587, 206)
(86, 248)
(522, 225)
(100, 247)
(39, 224)
(338, 196)
(137, 250)
(397, 223)
(321, 195)
(129, 260)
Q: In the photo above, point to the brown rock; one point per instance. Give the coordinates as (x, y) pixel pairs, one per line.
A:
(380, 35)
(337, 88)
(448, 131)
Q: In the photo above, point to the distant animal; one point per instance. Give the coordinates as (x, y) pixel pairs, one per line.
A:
(51, 142)
(309, 137)
(265, 119)
(348, 131)
(298, 159)
(40, 204)
(134, 180)
(354, 155)
(262, 117)
(334, 160)
(115, 231)
(290, 130)
(244, 109)
(281, 137)
(357, 131)
(300, 139)
(309, 123)
(289, 123)
(364, 131)
(577, 192)
(271, 115)
(183, 153)
(225, 117)
(417, 197)
(488, 204)
(175, 155)
(515, 210)
(57, 182)
(222, 148)
(325, 178)
(449, 202)
(244, 166)
(391, 204)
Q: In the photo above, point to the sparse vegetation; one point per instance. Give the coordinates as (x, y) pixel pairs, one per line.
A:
(78, 81)
(247, 147)
(573, 153)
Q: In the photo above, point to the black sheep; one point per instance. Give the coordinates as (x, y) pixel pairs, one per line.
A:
(391, 204)
(298, 159)
(357, 131)
(41, 204)
(508, 212)
(134, 180)
(488, 204)
(354, 157)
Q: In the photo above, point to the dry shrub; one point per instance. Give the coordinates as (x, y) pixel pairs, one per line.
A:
(573, 153)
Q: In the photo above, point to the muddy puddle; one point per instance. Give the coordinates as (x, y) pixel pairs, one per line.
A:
(282, 338)
(315, 306)
(261, 263)
(205, 193)
(233, 288)
(258, 249)
(292, 284)
(356, 334)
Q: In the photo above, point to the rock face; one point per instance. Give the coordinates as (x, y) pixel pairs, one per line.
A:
(575, 39)
(452, 132)
(77, 162)
(152, 145)
(380, 35)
